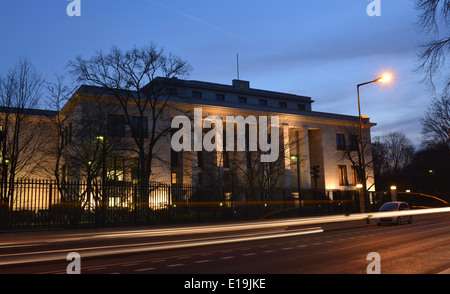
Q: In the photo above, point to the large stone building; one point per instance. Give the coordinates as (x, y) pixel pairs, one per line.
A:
(92, 137)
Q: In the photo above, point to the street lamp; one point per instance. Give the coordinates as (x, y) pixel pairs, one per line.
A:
(5, 163)
(431, 171)
(102, 140)
(393, 193)
(384, 79)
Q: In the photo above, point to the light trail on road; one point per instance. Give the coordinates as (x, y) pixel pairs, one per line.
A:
(268, 227)
(266, 224)
(97, 251)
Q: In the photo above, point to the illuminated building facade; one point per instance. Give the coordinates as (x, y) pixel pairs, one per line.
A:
(314, 147)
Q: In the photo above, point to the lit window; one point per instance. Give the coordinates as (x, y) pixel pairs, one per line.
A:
(174, 178)
(343, 181)
(115, 167)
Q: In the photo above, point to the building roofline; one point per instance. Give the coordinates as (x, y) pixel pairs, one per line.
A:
(88, 89)
(250, 91)
(29, 111)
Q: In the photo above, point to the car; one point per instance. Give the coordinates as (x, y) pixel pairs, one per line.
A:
(394, 206)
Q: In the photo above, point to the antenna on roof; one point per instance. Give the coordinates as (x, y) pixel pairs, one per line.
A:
(237, 63)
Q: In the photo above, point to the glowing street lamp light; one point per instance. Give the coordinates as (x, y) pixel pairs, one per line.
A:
(383, 79)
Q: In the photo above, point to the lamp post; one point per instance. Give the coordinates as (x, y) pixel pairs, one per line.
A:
(5, 163)
(393, 193)
(101, 138)
(104, 200)
(431, 171)
(383, 79)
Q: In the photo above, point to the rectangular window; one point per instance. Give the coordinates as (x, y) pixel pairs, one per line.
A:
(343, 181)
(114, 168)
(140, 125)
(354, 143)
(196, 94)
(173, 153)
(171, 92)
(65, 172)
(283, 105)
(263, 102)
(199, 158)
(200, 178)
(220, 97)
(242, 100)
(301, 107)
(135, 170)
(116, 125)
(355, 178)
(340, 141)
(174, 178)
(226, 160)
(173, 158)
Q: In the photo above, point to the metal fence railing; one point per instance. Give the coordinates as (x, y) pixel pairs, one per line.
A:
(41, 204)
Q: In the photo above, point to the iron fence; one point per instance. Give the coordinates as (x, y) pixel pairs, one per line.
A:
(45, 204)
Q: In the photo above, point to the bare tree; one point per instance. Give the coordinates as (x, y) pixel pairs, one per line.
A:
(58, 96)
(394, 153)
(20, 91)
(434, 20)
(436, 123)
(133, 79)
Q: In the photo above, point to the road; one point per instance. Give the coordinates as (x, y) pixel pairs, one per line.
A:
(422, 247)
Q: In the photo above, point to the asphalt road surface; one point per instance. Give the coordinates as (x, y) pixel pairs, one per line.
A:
(356, 247)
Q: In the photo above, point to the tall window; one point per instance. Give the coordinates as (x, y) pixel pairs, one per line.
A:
(116, 125)
(343, 181)
(340, 141)
(355, 177)
(140, 124)
(135, 170)
(354, 143)
(200, 158)
(115, 168)
(174, 178)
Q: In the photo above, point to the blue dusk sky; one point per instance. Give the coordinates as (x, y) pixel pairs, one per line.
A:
(321, 48)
